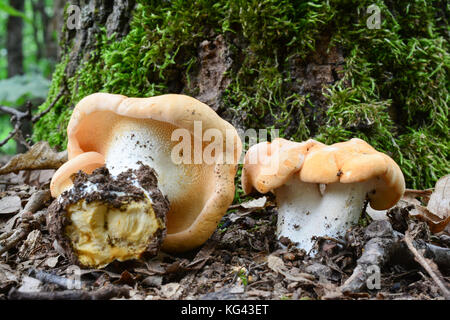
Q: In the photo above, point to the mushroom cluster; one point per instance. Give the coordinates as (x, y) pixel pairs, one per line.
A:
(321, 190)
(123, 134)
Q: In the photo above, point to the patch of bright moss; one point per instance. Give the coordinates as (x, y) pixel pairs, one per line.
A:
(394, 92)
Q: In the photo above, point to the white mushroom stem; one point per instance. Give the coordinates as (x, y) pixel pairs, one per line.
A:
(303, 212)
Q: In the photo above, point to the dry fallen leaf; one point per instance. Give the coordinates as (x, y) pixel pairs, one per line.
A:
(238, 288)
(439, 203)
(276, 264)
(33, 241)
(52, 261)
(437, 212)
(436, 223)
(40, 156)
(250, 207)
(7, 275)
(10, 204)
(171, 290)
(30, 284)
(255, 204)
(153, 281)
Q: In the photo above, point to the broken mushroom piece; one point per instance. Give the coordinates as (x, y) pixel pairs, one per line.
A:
(103, 218)
(320, 190)
(124, 133)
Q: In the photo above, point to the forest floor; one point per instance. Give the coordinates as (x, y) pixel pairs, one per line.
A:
(242, 260)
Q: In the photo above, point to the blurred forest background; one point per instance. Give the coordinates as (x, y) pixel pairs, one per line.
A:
(29, 31)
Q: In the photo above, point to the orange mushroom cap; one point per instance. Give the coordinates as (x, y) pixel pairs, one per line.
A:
(344, 162)
(195, 207)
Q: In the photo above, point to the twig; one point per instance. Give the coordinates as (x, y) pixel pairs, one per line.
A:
(28, 222)
(420, 259)
(11, 134)
(43, 113)
(104, 293)
(426, 192)
(17, 236)
(18, 117)
(341, 242)
(37, 200)
(9, 183)
(6, 235)
(53, 278)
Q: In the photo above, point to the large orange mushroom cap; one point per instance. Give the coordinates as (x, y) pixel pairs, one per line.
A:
(355, 161)
(104, 125)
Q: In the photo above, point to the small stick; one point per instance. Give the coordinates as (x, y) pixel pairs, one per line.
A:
(18, 117)
(43, 113)
(11, 134)
(53, 278)
(332, 239)
(9, 183)
(104, 293)
(36, 202)
(426, 192)
(6, 235)
(420, 259)
(17, 236)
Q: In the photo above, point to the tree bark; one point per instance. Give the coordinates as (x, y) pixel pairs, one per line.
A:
(14, 39)
(95, 14)
(56, 25)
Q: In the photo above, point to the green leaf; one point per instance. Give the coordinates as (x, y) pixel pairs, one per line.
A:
(15, 90)
(13, 12)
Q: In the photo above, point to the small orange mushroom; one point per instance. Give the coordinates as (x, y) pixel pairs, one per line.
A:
(320, 189)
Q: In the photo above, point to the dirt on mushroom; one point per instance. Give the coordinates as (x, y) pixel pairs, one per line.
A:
(110, 194)
(232, 264)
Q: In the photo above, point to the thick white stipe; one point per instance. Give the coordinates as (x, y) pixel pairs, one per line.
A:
(303, 212)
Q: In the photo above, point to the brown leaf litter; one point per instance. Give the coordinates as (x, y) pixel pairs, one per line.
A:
(242, 260)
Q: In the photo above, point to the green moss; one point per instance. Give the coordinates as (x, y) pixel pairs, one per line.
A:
(424, 156)
(397, 81)
(394, 92)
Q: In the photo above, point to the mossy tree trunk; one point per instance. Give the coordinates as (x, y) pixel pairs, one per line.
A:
(311, 69)
(96, 17)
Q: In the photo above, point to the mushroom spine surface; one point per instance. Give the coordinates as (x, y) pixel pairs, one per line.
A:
(304, 212)
(120, 134)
